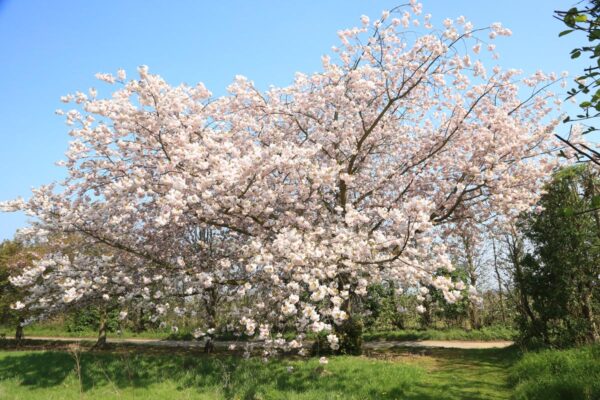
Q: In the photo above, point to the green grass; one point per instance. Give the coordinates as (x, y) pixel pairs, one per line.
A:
(136, 372)
(558, 374)
(396, 374)
(60, 331)
(488, 333)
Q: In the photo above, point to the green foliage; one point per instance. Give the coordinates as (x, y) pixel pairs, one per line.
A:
(552, 374)
(384, 309)
(560, 276)
(9, 251)
(350, 335)
(88, 319)
(453, 313)
(585, 17)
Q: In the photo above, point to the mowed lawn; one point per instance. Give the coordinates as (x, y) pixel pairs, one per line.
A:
(126, 374)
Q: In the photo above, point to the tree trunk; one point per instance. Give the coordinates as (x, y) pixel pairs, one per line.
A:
(426, 318)
(350, 336)
(101, 342)
(140, 325)
(210, 305)
(209, 345)
(472, 271)
(349, 332)
(474, 320)
(516, 253)
(19, 331)
(588, 312)
(523, 299)
(500, 294)
(398, 318)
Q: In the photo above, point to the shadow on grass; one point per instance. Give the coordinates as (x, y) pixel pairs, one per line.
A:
(37, 370)
(449, 374)
(46, 369)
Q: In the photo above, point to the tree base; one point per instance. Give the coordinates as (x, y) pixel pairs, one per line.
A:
(350, 340)
(350, 337)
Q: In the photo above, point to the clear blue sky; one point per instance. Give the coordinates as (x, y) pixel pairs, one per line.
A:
(51, 48)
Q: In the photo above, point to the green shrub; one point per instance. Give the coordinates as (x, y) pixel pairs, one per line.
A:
(88, 319)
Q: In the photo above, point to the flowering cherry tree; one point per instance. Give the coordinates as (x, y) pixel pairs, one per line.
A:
(309, 193)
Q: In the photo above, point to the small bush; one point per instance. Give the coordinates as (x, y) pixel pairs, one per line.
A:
(88, 319)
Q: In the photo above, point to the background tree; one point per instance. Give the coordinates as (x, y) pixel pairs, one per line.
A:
(11, 258)
(471, 262)
(560, 274)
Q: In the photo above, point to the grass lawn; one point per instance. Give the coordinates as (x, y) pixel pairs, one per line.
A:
(487, 333)
(396, 374)
(557, 375)
(60, 331)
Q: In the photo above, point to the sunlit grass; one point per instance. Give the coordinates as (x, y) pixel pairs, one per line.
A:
(395, 374)
(558, 374)
(486, 333)
(60, 331)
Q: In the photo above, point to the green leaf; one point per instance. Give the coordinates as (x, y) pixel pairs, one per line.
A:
(568, 211)
(575, 54)
(595, 201)
(563, 33)
(585, 104)
(595, 34)
(581, 18)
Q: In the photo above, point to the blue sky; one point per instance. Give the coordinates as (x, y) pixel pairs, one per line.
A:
(51, 48)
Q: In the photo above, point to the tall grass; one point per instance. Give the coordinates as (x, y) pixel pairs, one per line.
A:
(558, 375)
(486, 333)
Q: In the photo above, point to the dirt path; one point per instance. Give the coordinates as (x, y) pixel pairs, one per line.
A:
(375, 345)
(445, 344)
